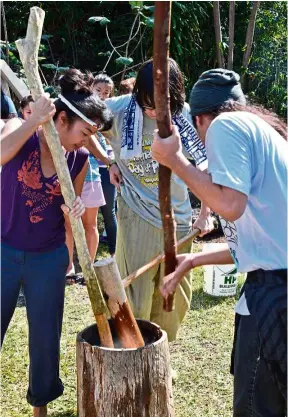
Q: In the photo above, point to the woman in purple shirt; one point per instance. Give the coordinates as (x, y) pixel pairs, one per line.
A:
(33, 247)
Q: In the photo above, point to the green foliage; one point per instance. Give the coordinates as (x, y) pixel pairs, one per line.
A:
(55, 68)
(201, 355)
(49, 66)
(68, 40)
(122, 61)
(149, 21)
(268, 67)
(103, 20)
(136, 4)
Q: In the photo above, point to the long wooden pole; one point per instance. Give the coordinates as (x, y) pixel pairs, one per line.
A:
(163, 115)
(159, 259)
(28, 51)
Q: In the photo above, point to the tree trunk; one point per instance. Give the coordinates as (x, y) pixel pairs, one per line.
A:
(124, 382)
(5, 31)
(218, 33)
(163, 116)
(28, 51)
(231, 34)
(249, 37)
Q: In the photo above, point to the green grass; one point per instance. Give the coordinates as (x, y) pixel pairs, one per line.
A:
(201, 356)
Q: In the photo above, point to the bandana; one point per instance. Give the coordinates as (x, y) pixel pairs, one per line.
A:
(76, 111)
(131, 141)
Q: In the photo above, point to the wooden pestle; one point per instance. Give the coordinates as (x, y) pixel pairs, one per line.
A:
(112, 286)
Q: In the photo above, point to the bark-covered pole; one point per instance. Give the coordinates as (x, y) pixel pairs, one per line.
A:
(231, 34)
(28, 51)
(158, 259)
(163, 115)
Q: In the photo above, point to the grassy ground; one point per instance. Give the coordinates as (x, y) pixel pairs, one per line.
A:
(201, 356)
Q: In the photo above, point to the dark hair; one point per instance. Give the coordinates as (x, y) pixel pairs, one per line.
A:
(77, 88)
(25, 101)
(126, 86)
(104, 78)
(144, 87)
(268, 116)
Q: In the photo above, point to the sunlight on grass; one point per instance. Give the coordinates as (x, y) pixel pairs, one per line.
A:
(201, 356)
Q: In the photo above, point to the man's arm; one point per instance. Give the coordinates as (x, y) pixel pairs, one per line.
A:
(96, 149)
(225, 201)
(188, 261)
(15, 134)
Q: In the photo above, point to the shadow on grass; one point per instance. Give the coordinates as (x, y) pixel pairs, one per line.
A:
(64, 414)
(203, 301)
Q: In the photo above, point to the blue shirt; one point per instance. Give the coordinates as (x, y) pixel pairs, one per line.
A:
(93, 174)
(246, 154)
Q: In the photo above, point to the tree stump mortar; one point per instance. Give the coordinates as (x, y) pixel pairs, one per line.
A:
(124, 382)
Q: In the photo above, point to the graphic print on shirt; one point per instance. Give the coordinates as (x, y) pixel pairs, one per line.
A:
(145, 169)
(30, 177)
(230, 232)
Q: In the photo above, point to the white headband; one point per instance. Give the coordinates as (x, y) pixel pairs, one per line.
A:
(76, 111)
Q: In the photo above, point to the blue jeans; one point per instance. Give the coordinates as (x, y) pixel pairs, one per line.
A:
(42, 275)
(108, 211)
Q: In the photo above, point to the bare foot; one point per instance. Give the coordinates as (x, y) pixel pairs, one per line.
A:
(40, 411)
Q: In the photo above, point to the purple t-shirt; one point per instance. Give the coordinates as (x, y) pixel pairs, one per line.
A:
(31, 217)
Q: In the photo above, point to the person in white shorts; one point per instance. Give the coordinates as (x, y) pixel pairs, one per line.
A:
(93, 198)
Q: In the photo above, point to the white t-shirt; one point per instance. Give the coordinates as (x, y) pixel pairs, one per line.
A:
(246, 154)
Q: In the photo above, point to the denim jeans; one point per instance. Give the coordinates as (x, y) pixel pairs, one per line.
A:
(42, 275)
(108, 211)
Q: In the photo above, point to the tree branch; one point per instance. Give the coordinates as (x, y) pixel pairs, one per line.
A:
(5, 31)
(250, 34)
(231, 34)
(218, 33)
(164, 123)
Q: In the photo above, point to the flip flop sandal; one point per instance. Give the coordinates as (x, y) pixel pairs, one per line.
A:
(72, 279)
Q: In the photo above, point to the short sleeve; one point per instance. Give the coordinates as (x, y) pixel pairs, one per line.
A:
(117, 105)
(76, 161)
(229, 154)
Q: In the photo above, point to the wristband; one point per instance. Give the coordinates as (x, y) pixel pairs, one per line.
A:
(112, 162)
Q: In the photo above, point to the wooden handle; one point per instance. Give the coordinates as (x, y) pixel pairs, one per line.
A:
(163, 116)
(28, 51)
(158, 259)
(121, 313)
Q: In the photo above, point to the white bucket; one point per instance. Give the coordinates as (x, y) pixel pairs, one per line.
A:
(218, 280)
